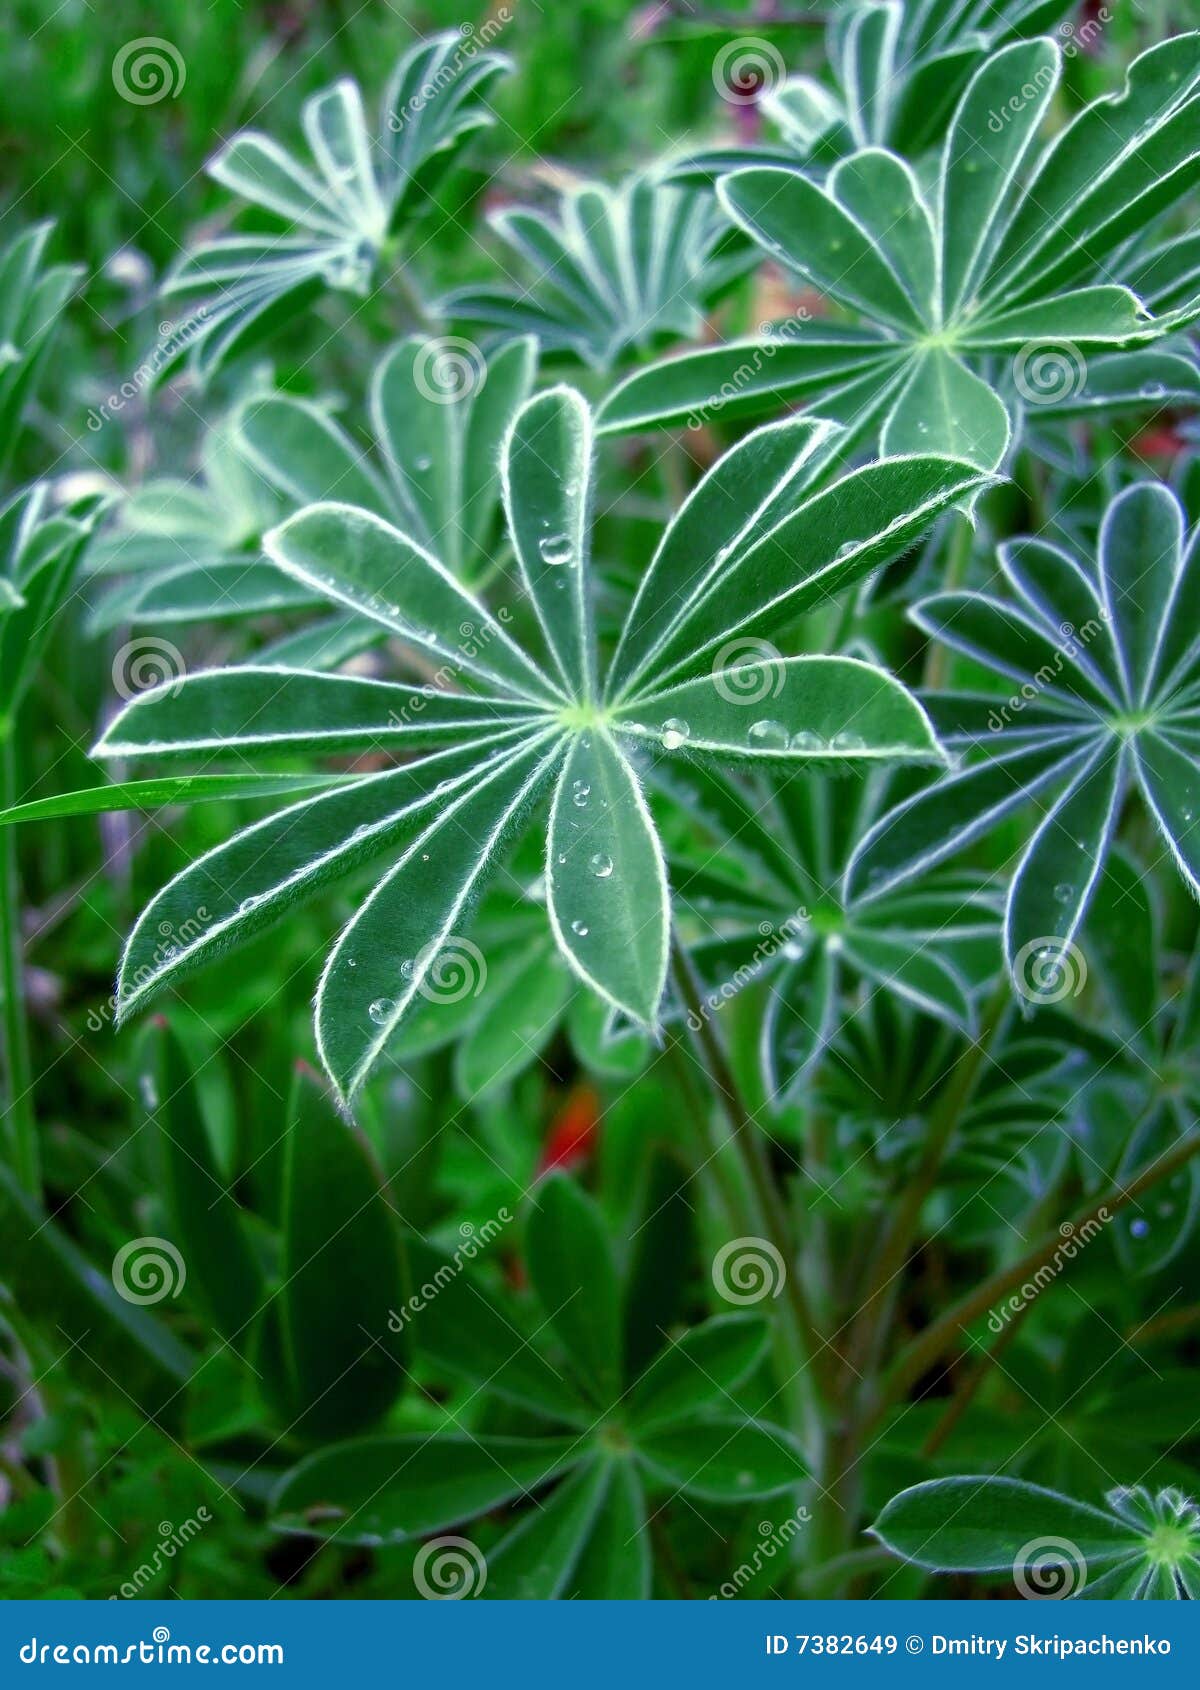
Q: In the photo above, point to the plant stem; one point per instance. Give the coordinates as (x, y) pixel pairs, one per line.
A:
(19, 1117)
(767, 1215)
(896, 1241)
(939, 1337)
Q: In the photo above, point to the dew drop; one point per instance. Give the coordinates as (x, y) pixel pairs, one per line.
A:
(1062, 893)
(424, 462)
(555, 549)
(845, 550)
(380, 1010)
(804, 741)
(1139, 1228)
(1154, 390)
(406, 969)
(601, 865)
(674, 732)
(848, 742)
(580, 929)
(149, 1091)
(768, 735)
(580, 792)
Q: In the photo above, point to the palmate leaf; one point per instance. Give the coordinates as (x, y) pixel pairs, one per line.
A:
(360, 189)
(767, 534)
(898, 67)
(779, 913)
(1103, 667)
(617, 270)
(1008, 255)
(1138, 1545)
(438, 415)
(671, 1426)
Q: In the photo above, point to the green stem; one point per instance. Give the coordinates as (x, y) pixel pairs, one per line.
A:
(943, 1333)
(20, 1124)
(803, 1353)
(896, 1242)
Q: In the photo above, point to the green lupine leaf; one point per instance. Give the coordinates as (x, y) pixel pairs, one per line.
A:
(606, 881)
(742, 497)
(546, 469)
(169, 789)
(206, 1224)
(342, 1274)
(359, 560)
(828, 541)
(839, 256)
(1141, 556)
(535, 1562)
(361, 188)
(572, 1269)
(699, 1371)
(386, 1489)
(254, 879)
(386, 954)
(1053, 885)
(756, 545)
(240, 710)
(723, 1460)
(480, 1339)
(747, 377)
(1050, 1543)
(614, 1561)
(617, 269)
(819, 708)
(1025, 238)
